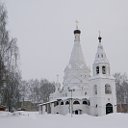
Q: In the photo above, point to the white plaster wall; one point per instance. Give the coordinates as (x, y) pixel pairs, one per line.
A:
(101, 99)
(61, 109)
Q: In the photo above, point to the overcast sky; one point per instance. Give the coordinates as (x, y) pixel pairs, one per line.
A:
(44, 29)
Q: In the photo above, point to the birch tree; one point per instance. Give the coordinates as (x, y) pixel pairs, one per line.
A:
(9, 72)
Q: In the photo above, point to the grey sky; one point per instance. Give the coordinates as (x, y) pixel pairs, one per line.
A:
(44, 29)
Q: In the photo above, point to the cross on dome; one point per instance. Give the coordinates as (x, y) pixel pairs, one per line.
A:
(77, 22)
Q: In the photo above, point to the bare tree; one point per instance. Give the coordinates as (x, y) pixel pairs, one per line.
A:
(121, 88)
(36, 90)
(9, 72)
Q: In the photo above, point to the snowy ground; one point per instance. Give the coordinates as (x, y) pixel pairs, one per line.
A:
(35, 120)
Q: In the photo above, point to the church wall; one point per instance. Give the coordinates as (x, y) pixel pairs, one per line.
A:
(61, 109)
(98, 101)
(65, 109)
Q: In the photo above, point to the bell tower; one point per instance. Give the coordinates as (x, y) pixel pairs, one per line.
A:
(102, 85)
(101, 66)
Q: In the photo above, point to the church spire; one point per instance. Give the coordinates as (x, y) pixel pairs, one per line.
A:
(77, 66)
(101, 63)
(77, 57)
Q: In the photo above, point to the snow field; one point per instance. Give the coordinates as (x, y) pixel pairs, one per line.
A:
(35, 120)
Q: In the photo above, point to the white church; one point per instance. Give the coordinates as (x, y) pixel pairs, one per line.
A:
(82, 93)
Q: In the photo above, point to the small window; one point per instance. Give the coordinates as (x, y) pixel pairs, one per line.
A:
(108, 89)
(62, 103)
(102, 55)
(76, 102)
(67, 102)
(103, 69)
(95, 89)
(85, 102)
(97, 70)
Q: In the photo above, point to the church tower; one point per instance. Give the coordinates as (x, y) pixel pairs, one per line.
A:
(102, 85)
(82, 93)
(76, 73)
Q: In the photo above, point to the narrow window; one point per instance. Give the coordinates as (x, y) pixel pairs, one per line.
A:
(97, 70)
(95, 89)
(103, 69)
(108, 89)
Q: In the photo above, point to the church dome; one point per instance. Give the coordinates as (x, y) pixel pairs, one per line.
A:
(77, 31)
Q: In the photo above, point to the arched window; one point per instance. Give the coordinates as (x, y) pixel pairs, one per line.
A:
(85, 93)
(97, 70)
(85, 102)
(67, 102)
(76, 102)
(62, 103)
(95, 89)
(108, 89)
(103, 69)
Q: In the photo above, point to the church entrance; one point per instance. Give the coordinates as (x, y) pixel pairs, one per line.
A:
(109, 108)
(77, 112)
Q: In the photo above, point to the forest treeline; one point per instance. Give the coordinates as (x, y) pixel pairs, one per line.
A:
(12, 88)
